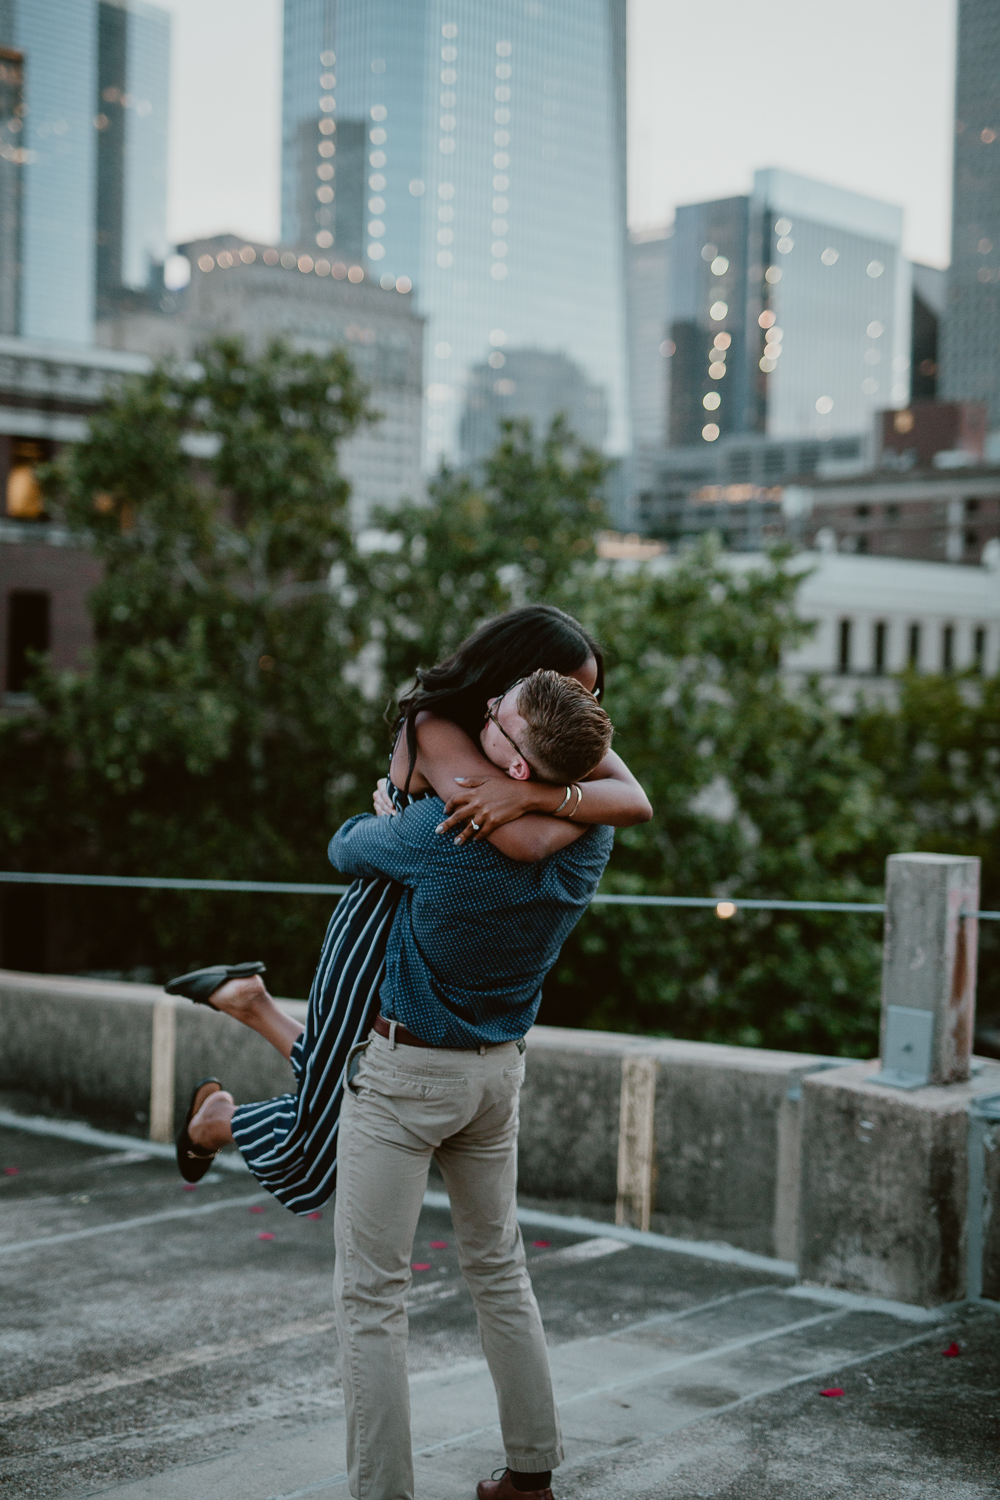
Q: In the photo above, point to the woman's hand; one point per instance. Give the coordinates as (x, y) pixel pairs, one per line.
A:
(490, 802)
(383, 802)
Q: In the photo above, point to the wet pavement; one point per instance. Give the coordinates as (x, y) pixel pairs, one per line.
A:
(162, 1343)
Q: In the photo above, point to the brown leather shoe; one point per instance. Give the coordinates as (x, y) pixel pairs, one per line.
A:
(502, 1489)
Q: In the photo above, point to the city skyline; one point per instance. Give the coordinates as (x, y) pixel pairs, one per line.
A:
(767, 108)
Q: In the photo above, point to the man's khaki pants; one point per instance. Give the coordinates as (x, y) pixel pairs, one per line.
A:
(402, 1106)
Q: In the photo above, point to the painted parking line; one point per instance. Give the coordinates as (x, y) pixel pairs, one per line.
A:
(122, 1226)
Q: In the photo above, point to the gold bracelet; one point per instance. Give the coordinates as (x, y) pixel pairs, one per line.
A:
(569, 793)
(579, 799)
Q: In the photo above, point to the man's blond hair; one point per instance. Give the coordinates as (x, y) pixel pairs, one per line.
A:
(568, 733)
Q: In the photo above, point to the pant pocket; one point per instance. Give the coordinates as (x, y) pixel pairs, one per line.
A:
(353, 1062)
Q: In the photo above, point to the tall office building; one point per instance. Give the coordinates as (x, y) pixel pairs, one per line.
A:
(11, 173)
(791, 313)
(72, 208)
(479, 152)
(970, 343)
(131, 123)
(649, 347)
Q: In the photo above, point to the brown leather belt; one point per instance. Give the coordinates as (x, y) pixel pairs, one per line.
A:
(402, 1035)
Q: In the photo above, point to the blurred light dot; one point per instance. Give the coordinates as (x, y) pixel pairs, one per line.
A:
(712, 401)
(445, 236)
(875, 329)
(767, 320)
(248, 255)
(767, 365)
(501, 94)
(324, 239)
(785, 245)
(327, 127)
(772, 275)
(326, 148)
(504, 387)
(718, 311)
(271, 257)
(328, 81)
(386, 281)
(378, 66)
(709, 252)
(224, 259)
(499, 249)
(339, 270)
(356, 274)
(324, 171)
(378, 111)
(442, 350)
(176, 272)
(987, 136)
(504, 49)
(722, 341)
(984, 274)
(498, 271)
(869, 386)
(376, 229)
(448, 75)
(875, 268)
(377, 159)
(376, 205)
(783, 226)
(984, 247)
(446, 190)
(716, 370)
(824, 405)
(288, 259)
(496, 360)
(322, 268)
(773, 335)
(830, 256)
(449, 29)
(375, 251)
(448, 54)
(377, 136)
(403, 284)
(445, 259)
(417, 188)
(710, 432)
(325, 193)
(667, 348)
(305, 263)
(503, 70)
(328, 59)
(720, 266)
(500, 205)
(205, 262)
(497, 336)
(901, 362)
(725, 909)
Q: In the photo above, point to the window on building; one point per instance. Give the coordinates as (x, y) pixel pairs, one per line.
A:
(892, 512)
(971, 506)
(844, 646)
(971, 539)
(27, 632)
(913, 647)
(880, 647)
(862, 511)
(861, 544)
(948, 648)
(978, 648)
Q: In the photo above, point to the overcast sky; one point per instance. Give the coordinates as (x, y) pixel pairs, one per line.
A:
(854, 92)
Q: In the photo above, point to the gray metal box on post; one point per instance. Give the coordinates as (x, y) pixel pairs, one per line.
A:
(929, 969)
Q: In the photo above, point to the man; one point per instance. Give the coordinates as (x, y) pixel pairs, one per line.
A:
(473, 938)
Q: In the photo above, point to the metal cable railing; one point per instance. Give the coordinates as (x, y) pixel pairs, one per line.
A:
(725, 906)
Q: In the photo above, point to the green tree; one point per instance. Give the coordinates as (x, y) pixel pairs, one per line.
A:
(216, 727)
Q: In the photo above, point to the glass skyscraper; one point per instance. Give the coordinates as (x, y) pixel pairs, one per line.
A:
(477, 150)
(11, 174)
(970, 334)
(790, 313)
(88, 215)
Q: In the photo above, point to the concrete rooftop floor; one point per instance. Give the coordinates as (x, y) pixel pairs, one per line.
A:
(154, 1345)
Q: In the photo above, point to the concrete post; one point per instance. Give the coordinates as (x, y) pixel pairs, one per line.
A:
(161, 1079)
(636, 1142)
(929, 969)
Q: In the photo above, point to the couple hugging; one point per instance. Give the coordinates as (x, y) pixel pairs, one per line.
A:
(493, 829)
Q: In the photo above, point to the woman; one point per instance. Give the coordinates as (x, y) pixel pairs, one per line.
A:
(290, 1143)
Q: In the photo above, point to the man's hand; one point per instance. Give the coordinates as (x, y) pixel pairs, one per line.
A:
(383, 802)
(489, 802)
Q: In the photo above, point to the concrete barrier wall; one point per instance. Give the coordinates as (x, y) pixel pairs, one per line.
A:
(763, 1150)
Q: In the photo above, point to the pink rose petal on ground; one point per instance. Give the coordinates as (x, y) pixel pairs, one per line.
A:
(439, 1244)
(190, 1187)
(419, 1265)
(314, 1216)
(11, 1171)
(541, 1244)
(952, 1351)
(833, 1390)
(265, 1235)
(256, 1209)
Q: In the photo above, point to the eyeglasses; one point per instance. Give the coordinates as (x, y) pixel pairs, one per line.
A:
(491, 708)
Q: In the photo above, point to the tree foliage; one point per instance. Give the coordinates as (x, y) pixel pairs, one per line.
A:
(232, 712)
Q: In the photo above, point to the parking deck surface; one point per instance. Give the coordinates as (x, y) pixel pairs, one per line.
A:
(169, 1344)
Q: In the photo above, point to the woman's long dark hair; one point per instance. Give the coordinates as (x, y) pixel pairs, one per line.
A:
(490, 661)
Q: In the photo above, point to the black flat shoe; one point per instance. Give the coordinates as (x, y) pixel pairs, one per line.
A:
(192, 1160)
(201, 983)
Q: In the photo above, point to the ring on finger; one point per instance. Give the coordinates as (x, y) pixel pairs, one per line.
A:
(474, 824)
